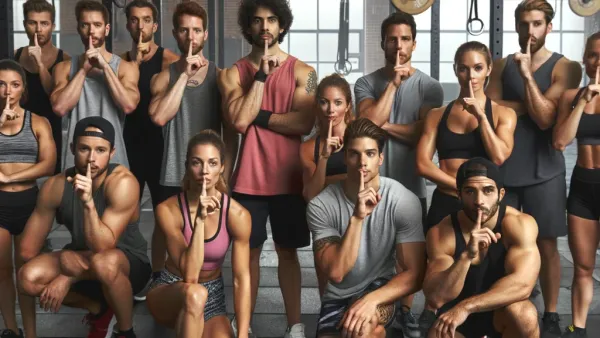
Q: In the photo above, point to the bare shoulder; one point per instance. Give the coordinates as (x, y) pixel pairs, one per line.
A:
(305, 74)
(66, 56)
(231, 74)
(239, 220)
(169, 57)
(435, 115)
(518, 227)
(499, 64)
(504, 112)
(568, 67)
(124, 56)
(440, 238)
(52, 190)
(121, 179)
(63, 66)
(128, 68)
(39, 122)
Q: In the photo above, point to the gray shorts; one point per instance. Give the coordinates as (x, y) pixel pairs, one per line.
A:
(215, 304)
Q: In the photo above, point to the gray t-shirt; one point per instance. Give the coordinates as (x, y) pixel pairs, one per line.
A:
(418, 90)
(396, 219)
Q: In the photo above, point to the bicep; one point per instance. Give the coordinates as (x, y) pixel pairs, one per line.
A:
(426, 145)
(240, 225)
(308, 165)
(304, 95)
(494, 88)
(171, 227)
(60, 77)
(410, 255)
(158, 86)
(568, 78)
(564, 107)
(364, 105)
(506, 126)
(123, 195)
(129, 76)
(324, 249)
(46, 143)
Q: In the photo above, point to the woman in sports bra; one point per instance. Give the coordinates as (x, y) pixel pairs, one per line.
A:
(27, 152)
(471, 126)
(199, 225)
(322, 156)
(579, 117)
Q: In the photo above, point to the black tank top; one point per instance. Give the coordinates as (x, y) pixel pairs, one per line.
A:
(335, 163)
(139, 130)
(480, 277)
(533, 159)
(468, 145)
(588, 130)
(38, 101)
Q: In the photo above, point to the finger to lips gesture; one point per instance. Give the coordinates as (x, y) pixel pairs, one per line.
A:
(270, 63)
(481, 237)
(35, 51)
(471, 104)
(593, 90)
(94, 56)
(332, 144)
(83, 184)
(194, 62)
(208, 204)
(142, 48)
(367, 198)
(524, 59)
(8, 114)
(401, 71)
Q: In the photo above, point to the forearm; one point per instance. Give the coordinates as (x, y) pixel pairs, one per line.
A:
(347, 251)
(567, 130)
(291, 123)
(541, 110)
(380, 112)
(126, 99)
(517, 106)
(317, 181)
(433, 173)
(504, 292)
(496, 149)
(46, 79)
(242, 301)
(231, 150)
(167, 107)
(244, 110)
(444, 286)
(64, 101)
(406, 133)
(192, 259)
(98, 236)
(40, 169)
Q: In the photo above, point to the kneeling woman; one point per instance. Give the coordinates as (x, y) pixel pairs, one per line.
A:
(199, 224)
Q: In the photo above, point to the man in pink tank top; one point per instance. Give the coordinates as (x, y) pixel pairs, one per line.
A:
(268, 96)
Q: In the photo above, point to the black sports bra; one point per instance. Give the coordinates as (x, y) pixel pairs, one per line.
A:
(588, 131)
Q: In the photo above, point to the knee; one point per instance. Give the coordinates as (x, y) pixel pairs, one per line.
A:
(547, 246)
(286, 254)
(105, 266)
(195, 299)
(583, 270)
(27, 277)
(379, 332)
(524, 314)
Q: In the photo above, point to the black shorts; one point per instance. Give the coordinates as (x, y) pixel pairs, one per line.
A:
(145, 163)
(441, 206)
(584, 194)
(545, 202)
(15, 209)
(332, 311)
(287, 214)
(139, 275)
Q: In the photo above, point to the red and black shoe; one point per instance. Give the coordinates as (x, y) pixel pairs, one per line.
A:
(99, 324)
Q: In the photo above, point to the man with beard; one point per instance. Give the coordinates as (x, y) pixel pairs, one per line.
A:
(531, 82)
(185, 100)
(268, 96)
(397, 97)
(144, 139)
(39, 60)
(106, 261)
(96, 83)
(483, 262)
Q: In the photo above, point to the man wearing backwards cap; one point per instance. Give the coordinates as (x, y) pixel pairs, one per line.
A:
(483, 262)
(106, 262)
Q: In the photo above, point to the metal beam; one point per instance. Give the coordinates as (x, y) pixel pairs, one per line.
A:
(212, 30)
(496, 28)
(221, 36)
(109, 39)
(434, 58)
(158, 34)
(7, 41)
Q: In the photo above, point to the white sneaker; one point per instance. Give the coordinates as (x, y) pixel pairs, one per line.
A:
(235, 330)
(296, 331)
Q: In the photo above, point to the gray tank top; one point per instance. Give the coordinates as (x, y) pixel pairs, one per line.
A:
(21, 147)
(96, 100)
(200, 109)
(70, 214)
(533, 159)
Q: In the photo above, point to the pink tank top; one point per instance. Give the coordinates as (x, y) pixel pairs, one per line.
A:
(269, 163)
(216, 247)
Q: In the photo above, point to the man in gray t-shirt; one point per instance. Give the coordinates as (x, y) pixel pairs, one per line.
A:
(361, 227)
(396, 98)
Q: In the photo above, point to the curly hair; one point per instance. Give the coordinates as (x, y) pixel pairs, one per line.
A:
(281, 8)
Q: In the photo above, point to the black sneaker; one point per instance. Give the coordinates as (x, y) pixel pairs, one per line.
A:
(572, 332)
(426, 320)
(129, 334)
(8, 333)
(406, 322)
(550, 325)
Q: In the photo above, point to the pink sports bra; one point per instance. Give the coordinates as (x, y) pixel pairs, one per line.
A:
(215, 248)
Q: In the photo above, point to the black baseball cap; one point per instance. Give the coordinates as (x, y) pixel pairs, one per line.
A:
(108, 131)
(479, 166)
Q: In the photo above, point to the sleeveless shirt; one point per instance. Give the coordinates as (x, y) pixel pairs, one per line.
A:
(21, 147)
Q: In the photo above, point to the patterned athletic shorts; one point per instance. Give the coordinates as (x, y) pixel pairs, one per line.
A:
(215, 304)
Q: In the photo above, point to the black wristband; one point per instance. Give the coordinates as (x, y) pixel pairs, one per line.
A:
(262, 119)
(260, 76)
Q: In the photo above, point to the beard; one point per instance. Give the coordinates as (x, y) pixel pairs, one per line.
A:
(537, 44)
(42, 39)
(487, 214)
(390, 57)
(97, 44)
(136, 37)
(185, 46)
(258, 41)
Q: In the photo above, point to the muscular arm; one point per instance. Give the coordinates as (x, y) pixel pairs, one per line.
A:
(240, 109)
(122, 193)
(378, 110)
(301, 119)
(124, 87)
(498, 142)
(425, 150)
(165, 102)
(408, 133)
(445, 277)
(168, 218)
(522, 265)
(45, 78)
(40, 222)
(46, 153)
(567, 121)
(494, 88)
(542, 106)
(66, 91)
(336, 256)
(313, 176)
(240, 225)
(230, 137)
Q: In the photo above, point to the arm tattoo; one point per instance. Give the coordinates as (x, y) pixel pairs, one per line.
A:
(321, 243)
(311, 84)
(385, 313)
